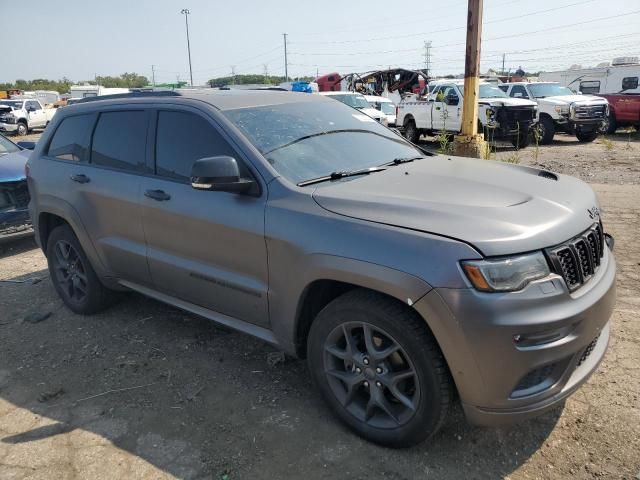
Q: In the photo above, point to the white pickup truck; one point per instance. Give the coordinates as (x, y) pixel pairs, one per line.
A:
(559, 109)
(440, 110)
(20, 116)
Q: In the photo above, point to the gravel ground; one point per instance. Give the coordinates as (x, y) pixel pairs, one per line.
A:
(146, 391)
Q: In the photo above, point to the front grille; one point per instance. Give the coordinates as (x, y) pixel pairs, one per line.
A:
(520, 115)
(21, 195)
(590, 112)
(14, 195)
(587, 351)
(578, 259)
(534, 377)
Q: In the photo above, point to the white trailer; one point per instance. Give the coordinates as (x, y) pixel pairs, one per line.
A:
(84, 91)
(621, 76)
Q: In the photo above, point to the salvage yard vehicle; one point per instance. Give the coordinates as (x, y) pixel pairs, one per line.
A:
(14, 194)
(20, 116)
(405, 279)
(384, 105)
(439, 109)
(559, 109)
(624, 109)
(359, 102)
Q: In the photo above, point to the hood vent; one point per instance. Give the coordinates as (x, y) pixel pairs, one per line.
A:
(548, 174)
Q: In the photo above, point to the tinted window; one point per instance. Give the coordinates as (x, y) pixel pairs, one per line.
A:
(34, 105)
(7, 146)
(71, 140)
(591, 86)
(629, 83)
(119, 140)
(181, 139)
(519, 89)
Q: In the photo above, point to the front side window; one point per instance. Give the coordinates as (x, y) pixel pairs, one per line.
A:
(590, 86)
(181, 139)
(629, 83)
(71, 139)
(119, 140)
(307, 140)
(7, 146)
(34, 105)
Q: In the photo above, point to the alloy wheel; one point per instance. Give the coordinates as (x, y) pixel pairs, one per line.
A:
(371, 375)
(70, 272)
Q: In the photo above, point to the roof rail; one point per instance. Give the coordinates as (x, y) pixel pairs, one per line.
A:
(161, 93)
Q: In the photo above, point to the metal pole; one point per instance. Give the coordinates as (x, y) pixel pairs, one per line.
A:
(503, 63)
(186, 12)
(286, 63)
(153, 75)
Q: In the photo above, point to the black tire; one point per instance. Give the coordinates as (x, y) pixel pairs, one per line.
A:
(74, 273)
(611, 123)
(411, 132)
(586, 137)
(521, 140)
(22, 130)
(546, 130)
(386, 319)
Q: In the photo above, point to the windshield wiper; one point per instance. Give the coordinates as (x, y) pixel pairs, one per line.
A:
(401, 160)
(339, 175)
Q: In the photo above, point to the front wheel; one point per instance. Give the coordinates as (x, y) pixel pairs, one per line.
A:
(22, 129)
(546, 130)
(379, 368)
(585, 137)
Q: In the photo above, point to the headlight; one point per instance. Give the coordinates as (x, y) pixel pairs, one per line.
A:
(506, 274)
(9, 119)
(562, 109)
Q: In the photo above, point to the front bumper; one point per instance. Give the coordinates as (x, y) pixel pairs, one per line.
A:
(8, 127)
(14, 221)
(500, 382)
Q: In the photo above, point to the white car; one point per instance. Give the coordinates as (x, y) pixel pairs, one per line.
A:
(559, 109)
(358, 101)
(384, 105)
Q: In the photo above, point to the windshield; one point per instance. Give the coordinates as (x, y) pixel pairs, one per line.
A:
(541, 90)
(388, 108)
(307, 140)
(491, 91)
(6, 146)
(355, 100)
(12, 103)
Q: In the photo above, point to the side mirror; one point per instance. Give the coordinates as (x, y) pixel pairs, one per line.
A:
(220, 174)
(27, 145)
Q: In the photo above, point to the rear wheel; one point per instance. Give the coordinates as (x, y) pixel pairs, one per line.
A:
(588, 136)
(411, 132)
(611, 124)
(379, 368)
(73, 276)
(22, 129)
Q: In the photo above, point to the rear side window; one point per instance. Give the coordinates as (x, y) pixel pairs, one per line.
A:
(71, 139)
(119, 140)
(181, 139)
(629, 83)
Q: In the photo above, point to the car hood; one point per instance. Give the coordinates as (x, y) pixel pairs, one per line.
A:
(507, 102)
(578, 99)
(12, 166)
(498, 208)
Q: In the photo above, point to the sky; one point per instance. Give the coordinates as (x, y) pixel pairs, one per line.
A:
(81, 39)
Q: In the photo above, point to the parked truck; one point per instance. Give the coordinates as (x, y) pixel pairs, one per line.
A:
(20, 116)
(560, 110)
(439, 109)
(624, 110)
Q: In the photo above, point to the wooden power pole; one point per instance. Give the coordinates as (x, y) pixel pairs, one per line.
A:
(469, 143)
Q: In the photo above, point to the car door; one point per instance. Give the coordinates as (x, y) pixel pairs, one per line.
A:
(36, 115)
(100, 158)
(446, 109)
(204, 247)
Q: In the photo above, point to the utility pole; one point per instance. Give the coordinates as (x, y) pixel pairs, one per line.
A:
(186, 13)
(266, 73)
(503, 55)
(153, 75)
(427, 57)
(233, 74)
(286, 63)
(469, 143)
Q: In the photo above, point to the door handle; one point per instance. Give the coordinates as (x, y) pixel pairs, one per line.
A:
(80, 178)
(158, 195)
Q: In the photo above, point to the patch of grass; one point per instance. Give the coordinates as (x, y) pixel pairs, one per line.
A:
(630, 132)
(536, 143)
(514, 157)
(608, 143)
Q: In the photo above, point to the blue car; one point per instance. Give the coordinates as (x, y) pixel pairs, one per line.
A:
(14, 195)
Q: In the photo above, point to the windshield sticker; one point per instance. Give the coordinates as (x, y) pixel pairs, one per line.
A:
(362, 117)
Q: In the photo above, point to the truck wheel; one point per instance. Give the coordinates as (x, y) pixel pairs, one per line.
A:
(22, 129)
(585, 137)
(611, 124)
(521, 140)
(546, 130)
(379, 368)
(73, 276)
(411, 132)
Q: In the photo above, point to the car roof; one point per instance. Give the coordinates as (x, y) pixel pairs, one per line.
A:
(376, 98)
(220, 99)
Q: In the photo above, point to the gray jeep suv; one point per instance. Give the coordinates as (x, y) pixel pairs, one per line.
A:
(405, 279)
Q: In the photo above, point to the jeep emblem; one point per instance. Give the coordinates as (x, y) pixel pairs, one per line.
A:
(593, 212)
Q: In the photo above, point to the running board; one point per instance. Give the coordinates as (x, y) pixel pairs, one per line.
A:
(222, 319)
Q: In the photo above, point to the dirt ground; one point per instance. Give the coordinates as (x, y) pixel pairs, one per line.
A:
(145, 391)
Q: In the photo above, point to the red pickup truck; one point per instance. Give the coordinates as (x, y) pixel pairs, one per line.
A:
(624, 110)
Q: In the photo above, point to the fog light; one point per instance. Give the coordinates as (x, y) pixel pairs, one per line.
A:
(524, 340)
